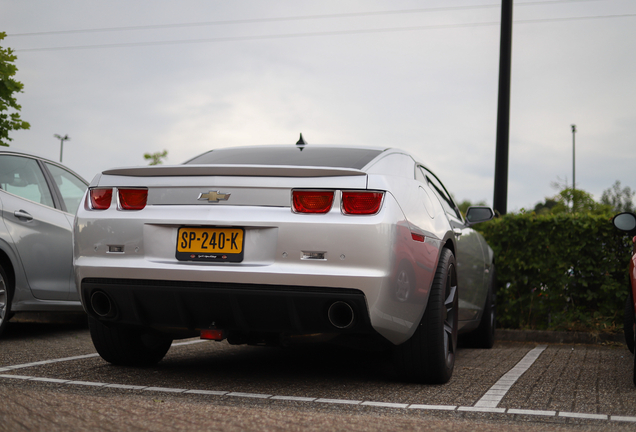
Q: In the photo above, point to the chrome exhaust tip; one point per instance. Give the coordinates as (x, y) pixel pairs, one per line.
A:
(340, 315)
(102, 305)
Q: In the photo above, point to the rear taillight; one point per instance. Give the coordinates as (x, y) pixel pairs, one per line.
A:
(361, 203)
(132, 199)
(101, 198)
(312, 201)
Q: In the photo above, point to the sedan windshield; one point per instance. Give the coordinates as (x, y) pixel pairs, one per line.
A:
(315, 156)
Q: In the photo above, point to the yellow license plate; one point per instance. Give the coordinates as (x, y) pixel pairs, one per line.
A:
(210, 244)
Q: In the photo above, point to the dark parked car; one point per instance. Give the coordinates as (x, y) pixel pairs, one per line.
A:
(38, 201)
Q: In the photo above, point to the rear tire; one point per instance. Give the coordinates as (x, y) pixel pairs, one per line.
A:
(6, 296)
(484, 335)
(628, 322)
(126, 346)
(429, 355)
(634, 377)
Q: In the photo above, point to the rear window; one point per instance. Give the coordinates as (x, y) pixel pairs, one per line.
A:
(314, 156)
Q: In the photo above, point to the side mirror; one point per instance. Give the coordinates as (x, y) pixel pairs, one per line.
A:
(475, 215)
(625, 222)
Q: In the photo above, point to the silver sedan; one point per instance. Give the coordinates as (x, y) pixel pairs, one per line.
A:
(38, 201)
(281, 244)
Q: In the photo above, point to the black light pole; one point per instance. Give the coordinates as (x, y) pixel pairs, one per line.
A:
(573, 158)
(500, 201)
(62, 139)
(573, 167)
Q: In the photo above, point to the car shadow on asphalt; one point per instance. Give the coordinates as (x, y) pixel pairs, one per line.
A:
(43, 324)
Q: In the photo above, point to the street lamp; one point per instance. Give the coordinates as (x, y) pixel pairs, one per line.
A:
(62, 139)
(573, 166)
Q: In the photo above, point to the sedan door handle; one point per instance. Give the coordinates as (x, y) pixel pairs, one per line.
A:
(23, 215)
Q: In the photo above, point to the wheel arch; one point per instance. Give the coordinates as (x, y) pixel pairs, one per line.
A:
(7, 265)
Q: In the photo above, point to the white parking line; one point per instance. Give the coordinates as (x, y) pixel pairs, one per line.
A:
(526, 362)
(81, 357)
(45, 362)
(497, 392)
(433, 407)
(583, 416)
(392, 405)
(532, 412)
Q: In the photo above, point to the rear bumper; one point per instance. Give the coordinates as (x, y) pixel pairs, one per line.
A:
(184, 308)
(365, 254)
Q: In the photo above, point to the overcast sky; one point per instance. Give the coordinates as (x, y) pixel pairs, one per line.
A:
(194, 75)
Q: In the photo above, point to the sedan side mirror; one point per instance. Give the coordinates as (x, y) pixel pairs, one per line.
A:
(625, 222)
(475, 215)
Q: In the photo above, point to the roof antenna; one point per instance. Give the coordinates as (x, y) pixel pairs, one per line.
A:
(301, 141)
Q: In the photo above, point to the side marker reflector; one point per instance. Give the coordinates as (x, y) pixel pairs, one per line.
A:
(417, 237)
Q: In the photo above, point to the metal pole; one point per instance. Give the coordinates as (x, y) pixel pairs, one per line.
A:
(573, 167)
(500, 201)
(62, 139)
(573, 158)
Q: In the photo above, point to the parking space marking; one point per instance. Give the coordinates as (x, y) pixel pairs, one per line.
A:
(623, 419)
(339, 401)
(433, 407)
(80, 357)
(533, 412)
(164, 389)
(386, 404)
(249, 395)
(483, 409)
(45, 362)
(499, 389)
(377, 404)
(497, 392)
(583, 416)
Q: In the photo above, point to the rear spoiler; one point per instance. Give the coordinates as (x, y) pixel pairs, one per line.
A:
(234, 170)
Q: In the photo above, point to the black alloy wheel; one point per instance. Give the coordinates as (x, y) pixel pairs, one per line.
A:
(429, 355)
(484, 335)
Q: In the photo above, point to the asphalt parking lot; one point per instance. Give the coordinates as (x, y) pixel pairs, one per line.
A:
(51, 379)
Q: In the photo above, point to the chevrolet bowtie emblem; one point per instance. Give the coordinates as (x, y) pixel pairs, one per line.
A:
(214, 196)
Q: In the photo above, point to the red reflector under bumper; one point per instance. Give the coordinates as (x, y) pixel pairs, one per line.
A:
(212, 334)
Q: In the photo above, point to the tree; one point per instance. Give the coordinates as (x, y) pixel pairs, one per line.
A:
(619, 199)
(546, 206)
(570, 200)
(8, 86)
(155, 158)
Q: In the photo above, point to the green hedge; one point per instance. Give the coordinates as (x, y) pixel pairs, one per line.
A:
(559, 272)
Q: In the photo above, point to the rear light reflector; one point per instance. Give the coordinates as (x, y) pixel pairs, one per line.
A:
(417, 237)
(133, 199)
(312, 201)
(361, 203)
(213, 334)
(101, 198)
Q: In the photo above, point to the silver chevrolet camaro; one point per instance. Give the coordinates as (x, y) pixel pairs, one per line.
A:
(284, 244)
